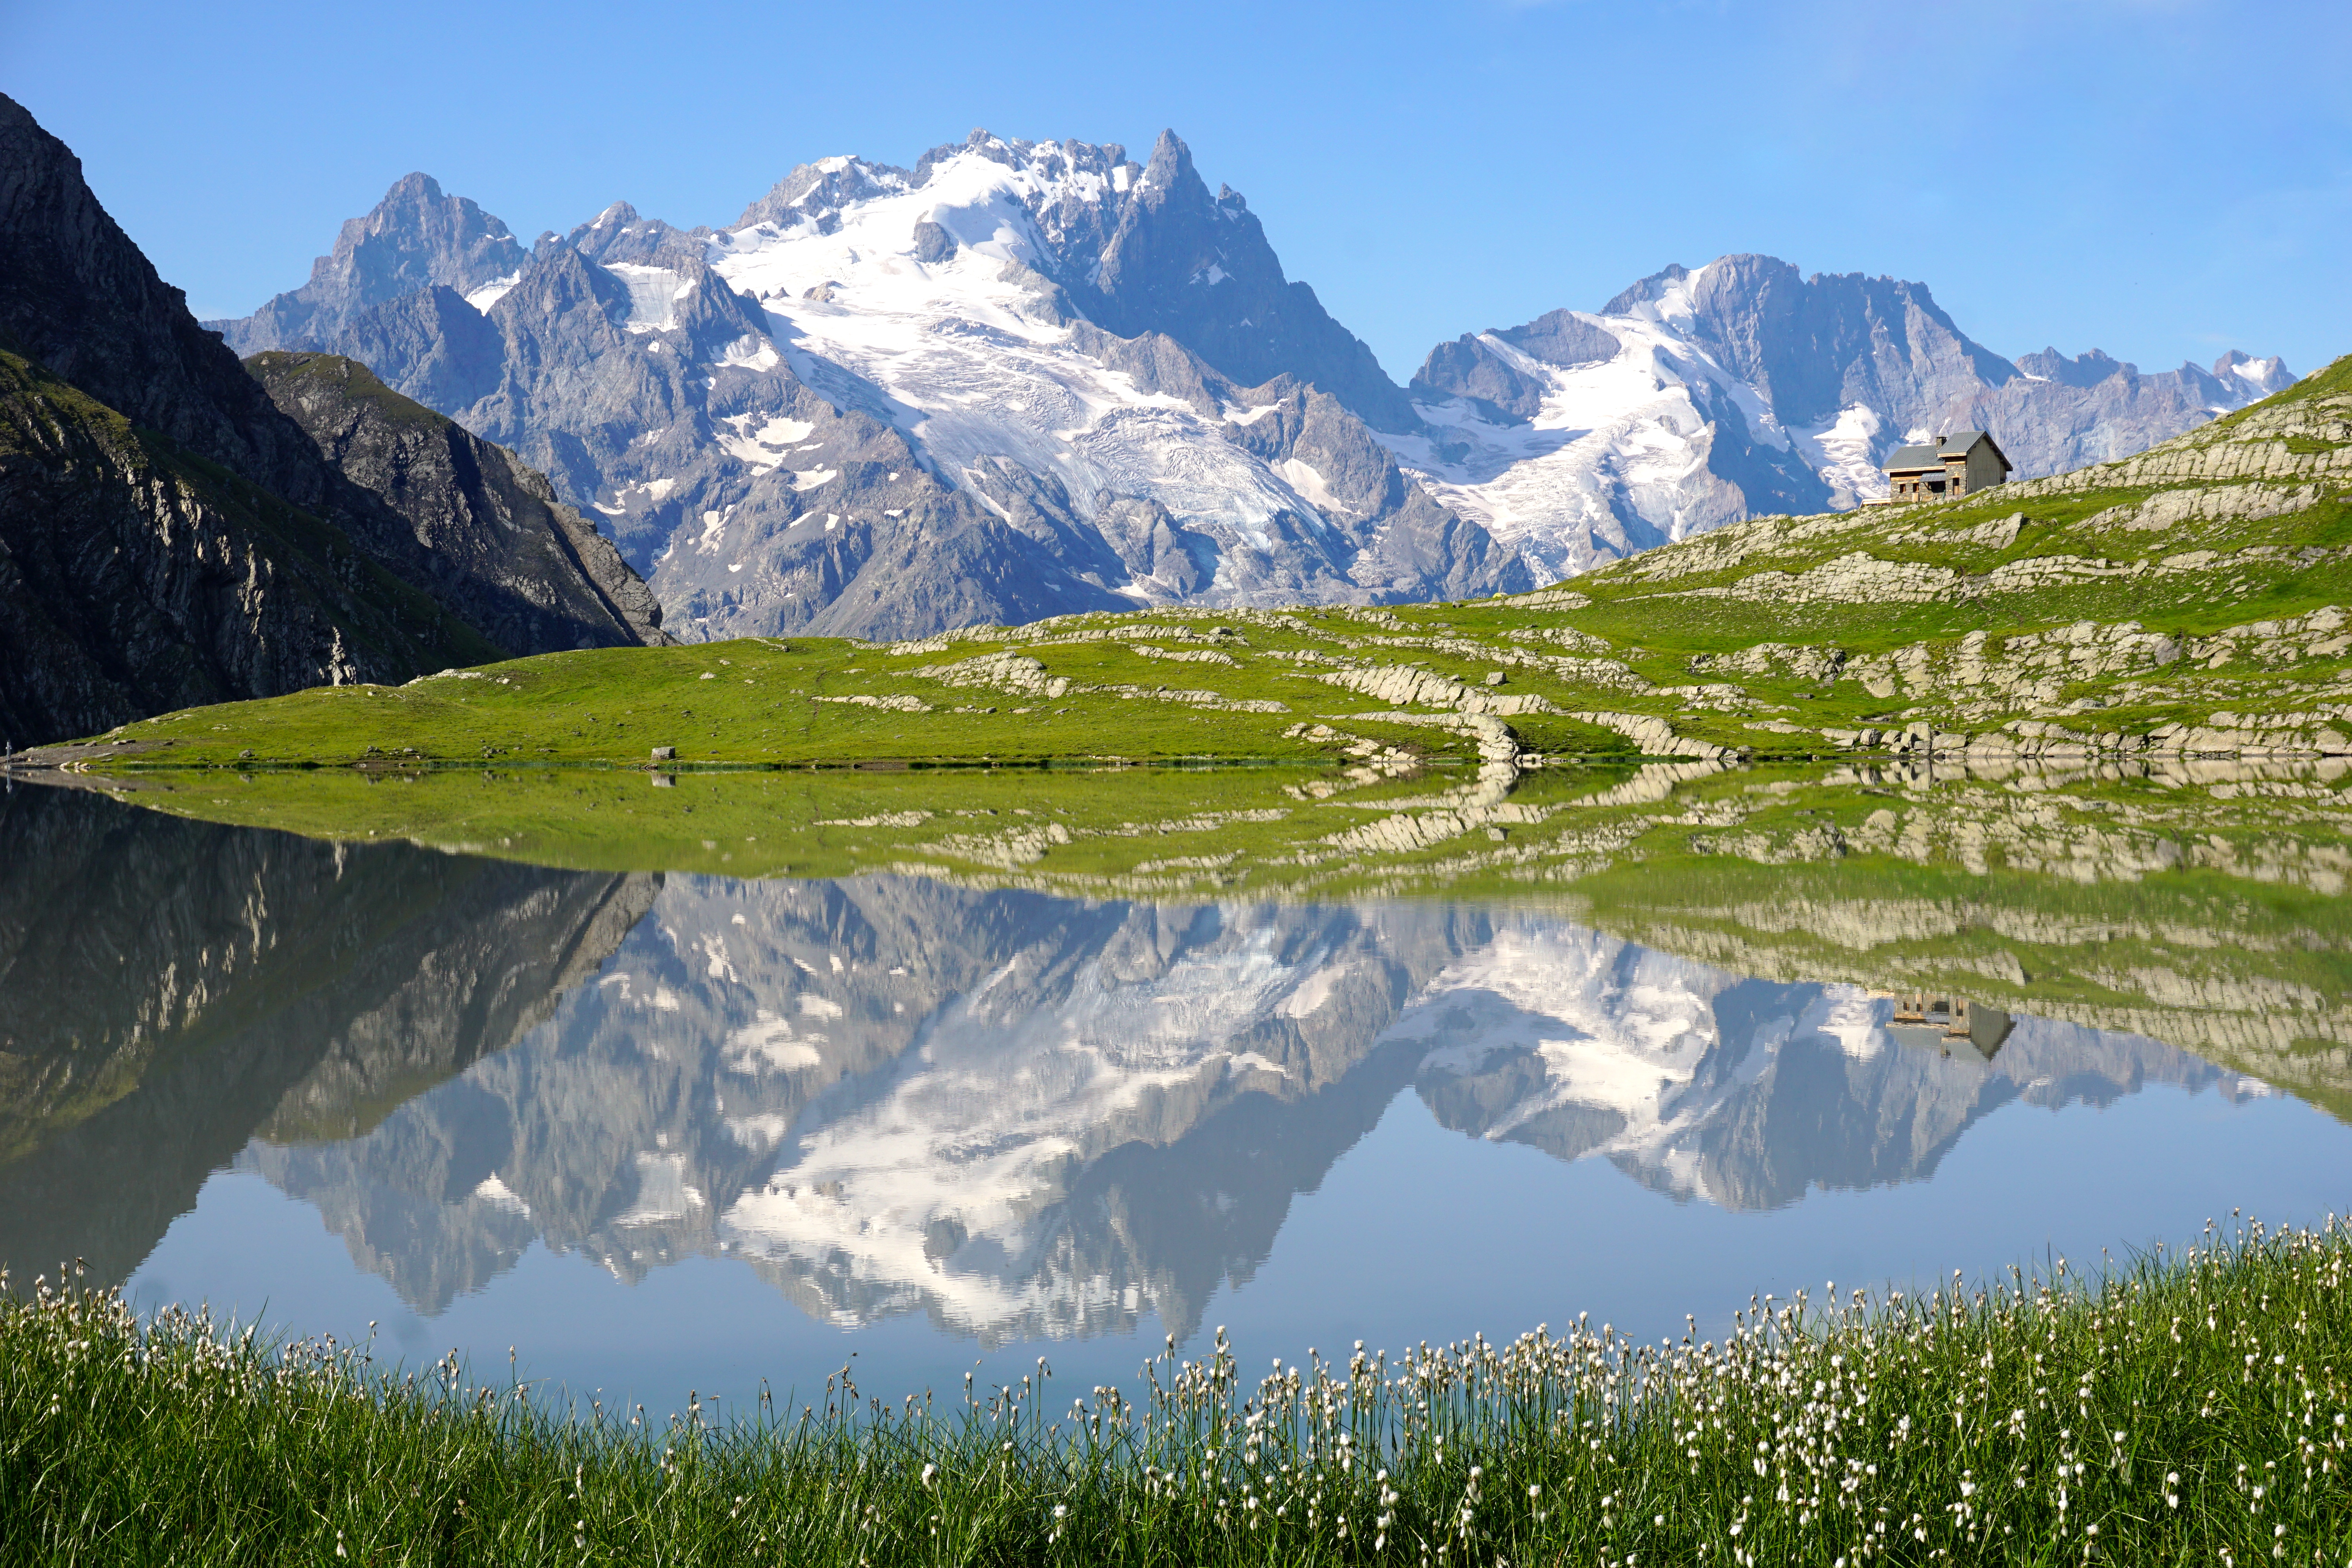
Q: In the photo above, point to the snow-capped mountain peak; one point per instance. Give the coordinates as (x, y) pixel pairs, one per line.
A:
(937, 292)
(1666, 298)
(1581, 437)
(1699, 397)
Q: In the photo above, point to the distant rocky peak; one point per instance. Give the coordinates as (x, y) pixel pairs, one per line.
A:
(619, 234)
(1050, 162)
(2236, 379)
(1051, 206)
(1738, 282)
(2094, 367)
(1650, 292)
(1171, 162)
(1563, 338)
(2258, 377)
(620, 215)
(1082, 199)
(414, 237)
(1482, 368)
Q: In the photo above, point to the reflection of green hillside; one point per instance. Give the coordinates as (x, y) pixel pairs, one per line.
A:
(1148, 829)
(2251, 975)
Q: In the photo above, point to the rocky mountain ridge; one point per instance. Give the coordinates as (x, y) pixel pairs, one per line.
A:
(415, 238)
(1041, 309)
(137, 579)
(1019, 379)
(485, 532)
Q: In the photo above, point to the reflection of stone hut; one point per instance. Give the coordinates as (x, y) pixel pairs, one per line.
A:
(1953, 1026)
(1962, 463)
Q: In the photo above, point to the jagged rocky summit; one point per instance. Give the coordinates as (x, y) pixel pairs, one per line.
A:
(1027, 378)
(169, 536)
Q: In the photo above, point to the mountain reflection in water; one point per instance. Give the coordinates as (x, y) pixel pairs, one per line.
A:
(1022, 1116)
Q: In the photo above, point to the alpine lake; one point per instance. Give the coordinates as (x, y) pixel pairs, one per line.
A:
(651, 1085)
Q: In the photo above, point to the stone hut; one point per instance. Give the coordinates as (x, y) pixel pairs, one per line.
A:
(1962, 463)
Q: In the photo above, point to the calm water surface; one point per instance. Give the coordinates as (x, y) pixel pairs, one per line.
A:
(671, 1133)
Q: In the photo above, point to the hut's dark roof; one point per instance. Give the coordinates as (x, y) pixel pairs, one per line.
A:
(1924, 457)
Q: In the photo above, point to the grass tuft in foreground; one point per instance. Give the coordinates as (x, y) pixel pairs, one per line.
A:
(2190, 1409)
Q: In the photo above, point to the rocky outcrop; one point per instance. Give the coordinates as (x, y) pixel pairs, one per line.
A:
(136, 578)
(485, 532)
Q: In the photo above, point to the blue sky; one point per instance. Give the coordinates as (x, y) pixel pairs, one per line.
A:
(2163, 179)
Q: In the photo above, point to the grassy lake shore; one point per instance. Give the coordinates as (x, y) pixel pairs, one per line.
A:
(2187, 1406)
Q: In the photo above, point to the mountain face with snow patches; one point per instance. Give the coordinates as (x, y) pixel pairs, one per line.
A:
(1023, 378)
(1695, 399)
(1017, 380)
